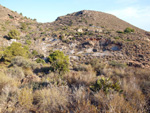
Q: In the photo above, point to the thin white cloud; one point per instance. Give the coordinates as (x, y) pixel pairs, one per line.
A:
(125, 13)
(139, 17)
(127, 1)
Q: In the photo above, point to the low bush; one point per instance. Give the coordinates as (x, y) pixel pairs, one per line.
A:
(1, 52)
(23, 26)
(106, 85)
(128, 30)
(23, 62)
(39, 60)
(34, 53)
(59, 62)
(15, 72)
(14, 34)
(120, 32)
(15, 49)
(28, 42)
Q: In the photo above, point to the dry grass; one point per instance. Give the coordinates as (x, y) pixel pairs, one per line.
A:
(85, 106)
(117, 104)
(25, 98)
(134, 95)
(52, 99)
(8, 93)
(4, 80)
(15, 72)
(113, 103)
(85, 77)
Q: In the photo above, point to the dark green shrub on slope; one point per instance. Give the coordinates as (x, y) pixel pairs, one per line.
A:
(15, 49)
(59, 62)
(128, 30)
(14, 34)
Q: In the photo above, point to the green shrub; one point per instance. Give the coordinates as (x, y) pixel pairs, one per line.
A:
(11, 17)
(59, 62)
(90, 24)
(34, 53)
(15, 49)
(14, 34)
(1, 52)
(117, 37)
(106, 85)
(128, 30)
(120, 32)
(39, 60)
(28, 42)
(23, 26)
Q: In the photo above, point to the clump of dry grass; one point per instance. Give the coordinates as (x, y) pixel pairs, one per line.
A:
(80, 101)
(24, 63)
(15, 72)
(133, 94)
(25, 97)
(85, 106)
(8, 92)
(52, 99)
(85, 77)
(4, 80)
(112, 103)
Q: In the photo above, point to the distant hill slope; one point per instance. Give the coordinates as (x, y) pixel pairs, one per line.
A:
(82, 35)
(94, 18)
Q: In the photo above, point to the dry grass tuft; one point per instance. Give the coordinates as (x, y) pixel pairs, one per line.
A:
(52, 99)
(85, 77)
(25, 98)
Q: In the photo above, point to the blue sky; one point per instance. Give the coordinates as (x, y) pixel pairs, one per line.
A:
(136, 12)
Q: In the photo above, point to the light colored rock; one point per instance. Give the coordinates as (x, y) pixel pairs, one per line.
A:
(89, 50)
(74, 57)
(80, 30)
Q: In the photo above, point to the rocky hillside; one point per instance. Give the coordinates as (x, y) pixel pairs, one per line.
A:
(82, 35)
(101, 64)
(96, 34)
(95, 19)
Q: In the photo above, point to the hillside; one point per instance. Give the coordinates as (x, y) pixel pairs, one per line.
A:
(86, 61)
(94, 18)
(104, 32)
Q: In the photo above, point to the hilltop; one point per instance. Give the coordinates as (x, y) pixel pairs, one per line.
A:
(94, 18)
(86, 61)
